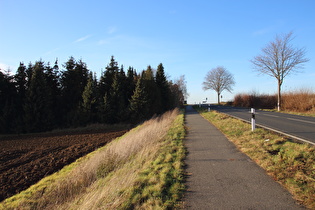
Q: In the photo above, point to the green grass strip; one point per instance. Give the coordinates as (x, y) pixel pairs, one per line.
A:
(161, 185)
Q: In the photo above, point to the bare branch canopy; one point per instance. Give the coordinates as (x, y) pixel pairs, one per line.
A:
(218, 79)
(278, 59)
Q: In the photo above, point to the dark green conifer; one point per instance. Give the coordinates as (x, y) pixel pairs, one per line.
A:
(53, 92)
(21, 80)
(154, 97)
(130, 82)
(106, 91)
(21, 85)
(138, 103)
(107, 77)
(73, 82)
(38, 114)
(88, 97)
(7, 103)
(163, 87)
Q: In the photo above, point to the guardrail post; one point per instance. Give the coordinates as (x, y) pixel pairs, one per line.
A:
(253, 119)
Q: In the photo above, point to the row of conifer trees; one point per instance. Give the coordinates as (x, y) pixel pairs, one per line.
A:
(41, 97)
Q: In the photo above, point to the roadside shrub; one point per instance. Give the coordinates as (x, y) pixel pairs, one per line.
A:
(302, 100)
(254, 100)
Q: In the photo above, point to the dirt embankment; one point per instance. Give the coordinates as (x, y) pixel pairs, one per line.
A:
(24, 160)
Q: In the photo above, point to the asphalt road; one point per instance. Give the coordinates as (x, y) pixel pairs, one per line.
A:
(221, 177)
(300, 127)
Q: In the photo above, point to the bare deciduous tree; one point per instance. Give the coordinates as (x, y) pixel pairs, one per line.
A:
(182, 84)
(278, 59)
(218, 79)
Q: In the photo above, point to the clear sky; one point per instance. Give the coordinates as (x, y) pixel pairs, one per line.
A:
(188, 37)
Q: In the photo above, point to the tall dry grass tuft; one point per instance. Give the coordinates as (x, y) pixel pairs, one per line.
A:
(92, 185)
(302, 100)
(255, 100)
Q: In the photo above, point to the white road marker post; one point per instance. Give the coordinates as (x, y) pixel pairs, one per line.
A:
(253, 119)
(209, 108)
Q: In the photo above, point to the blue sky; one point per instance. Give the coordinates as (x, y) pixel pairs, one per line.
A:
(188, 37)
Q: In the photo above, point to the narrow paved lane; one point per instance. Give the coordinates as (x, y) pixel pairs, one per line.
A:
(221, 177)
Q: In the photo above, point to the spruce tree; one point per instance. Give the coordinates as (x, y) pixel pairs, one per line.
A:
(138, 103)
(115, 101)
(154, 97)
(29, 73)
(21, 80)
(107, 78)
(73, 82)
(163, 87)
(130, 82)
(53, 92)
(38, 114)
(105, 91)
(21, 85)
(104, 110)
(7, 103)
(88, 101)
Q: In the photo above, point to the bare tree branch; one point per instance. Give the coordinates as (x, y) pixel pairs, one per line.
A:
(218, 79)
(279, 59)
(182, 84)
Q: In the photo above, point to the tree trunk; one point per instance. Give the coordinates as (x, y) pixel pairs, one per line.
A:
(219, 98)
(279, 95)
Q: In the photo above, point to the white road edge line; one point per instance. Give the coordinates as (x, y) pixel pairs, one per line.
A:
(270, 115)
(306, 121)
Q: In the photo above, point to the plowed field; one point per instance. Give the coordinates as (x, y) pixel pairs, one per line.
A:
(24, 160)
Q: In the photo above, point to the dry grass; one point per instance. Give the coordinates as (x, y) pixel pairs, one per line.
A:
(302, 100)
(299, 101)
(289, 163)
(111, 176)
(255, 100)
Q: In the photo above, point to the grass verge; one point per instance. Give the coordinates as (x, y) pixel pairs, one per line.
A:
(291, 164)
(143, 170)
(160, 185)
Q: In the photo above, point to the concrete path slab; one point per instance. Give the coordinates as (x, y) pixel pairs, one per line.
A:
(221, 177)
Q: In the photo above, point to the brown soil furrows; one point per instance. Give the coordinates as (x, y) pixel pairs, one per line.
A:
(24, 160)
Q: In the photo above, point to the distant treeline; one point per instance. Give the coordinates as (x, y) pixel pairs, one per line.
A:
(41, 97)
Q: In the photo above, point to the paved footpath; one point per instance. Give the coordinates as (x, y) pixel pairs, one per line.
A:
(221, 177)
